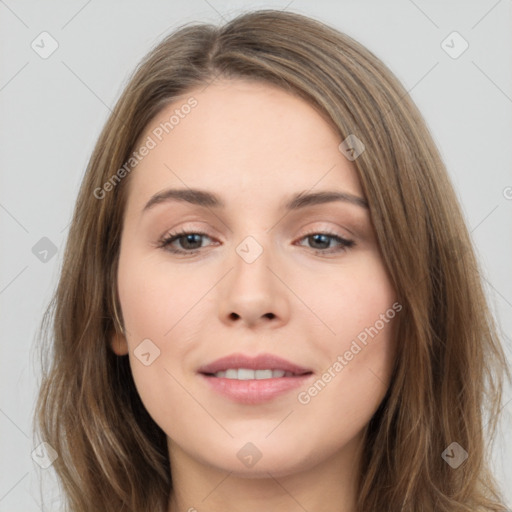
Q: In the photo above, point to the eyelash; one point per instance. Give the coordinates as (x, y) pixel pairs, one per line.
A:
(166, 241)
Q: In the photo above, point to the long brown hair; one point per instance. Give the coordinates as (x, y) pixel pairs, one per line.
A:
(448, 376)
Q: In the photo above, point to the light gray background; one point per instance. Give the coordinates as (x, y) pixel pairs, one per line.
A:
(52, 110)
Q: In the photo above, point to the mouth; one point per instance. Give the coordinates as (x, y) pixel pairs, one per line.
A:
(249, 374)
(253, 380)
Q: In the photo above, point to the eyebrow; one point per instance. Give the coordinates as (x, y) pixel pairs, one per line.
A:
(209, 200)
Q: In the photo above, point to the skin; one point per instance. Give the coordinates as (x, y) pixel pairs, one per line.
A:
(254, 145)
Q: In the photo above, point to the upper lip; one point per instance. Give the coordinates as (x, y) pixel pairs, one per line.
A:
(260, 362)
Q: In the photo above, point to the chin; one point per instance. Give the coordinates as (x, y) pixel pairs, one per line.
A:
(258, 459)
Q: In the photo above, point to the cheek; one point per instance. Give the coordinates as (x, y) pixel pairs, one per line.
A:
(161, 310)
(154, 296)
(359, 307)
(348, 300)
(158, 336)
(355, 377)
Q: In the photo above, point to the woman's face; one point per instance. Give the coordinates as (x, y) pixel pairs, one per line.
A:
(261, 273)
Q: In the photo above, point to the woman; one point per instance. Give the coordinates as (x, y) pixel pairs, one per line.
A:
(208, 354)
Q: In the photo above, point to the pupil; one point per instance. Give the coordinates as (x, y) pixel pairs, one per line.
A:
(190, 239)
(316, 237)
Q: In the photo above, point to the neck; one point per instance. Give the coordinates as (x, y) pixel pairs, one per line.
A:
(326, 487)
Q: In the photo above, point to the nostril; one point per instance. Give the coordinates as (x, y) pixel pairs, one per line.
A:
(236, 316)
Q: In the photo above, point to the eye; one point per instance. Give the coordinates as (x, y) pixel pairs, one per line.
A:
(190, 242)
(322, 242)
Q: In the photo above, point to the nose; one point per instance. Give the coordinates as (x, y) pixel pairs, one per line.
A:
(254, 294)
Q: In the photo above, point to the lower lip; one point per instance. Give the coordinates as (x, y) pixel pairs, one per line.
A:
(255, 391)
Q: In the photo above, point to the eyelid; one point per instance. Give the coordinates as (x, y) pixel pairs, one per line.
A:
(327, 227)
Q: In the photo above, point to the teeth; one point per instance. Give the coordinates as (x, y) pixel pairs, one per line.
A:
(247, 374)
(244, 374)
(263, 374)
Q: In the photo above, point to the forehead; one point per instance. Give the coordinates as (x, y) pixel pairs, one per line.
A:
(243, 140)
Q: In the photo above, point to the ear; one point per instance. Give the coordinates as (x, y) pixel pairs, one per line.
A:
(118, 344)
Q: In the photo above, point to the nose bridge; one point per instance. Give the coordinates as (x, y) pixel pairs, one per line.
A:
(252, 291)
(251, 275)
